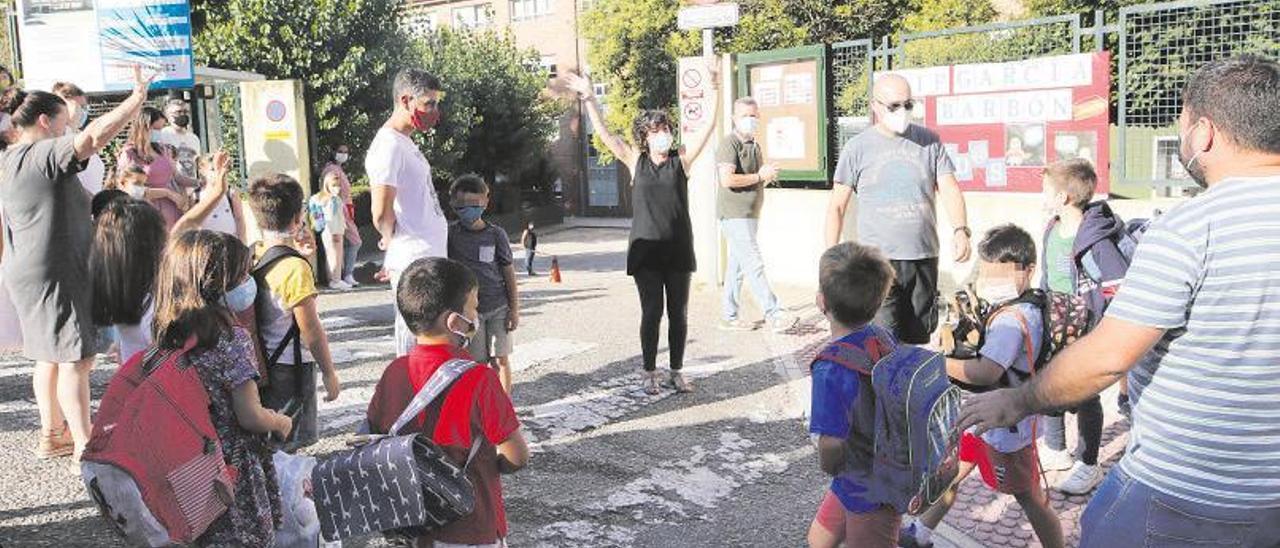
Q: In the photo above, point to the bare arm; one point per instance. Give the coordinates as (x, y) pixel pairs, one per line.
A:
(513, 297)
(513, 454)
(837, 206)
(311, 330)
(953, 201)
(383, 210)
(978, 371)
(831, 454)
(103, 129)
(253, 417)
(237, 213)
(705, 138)
(616, 145)
(216, 191)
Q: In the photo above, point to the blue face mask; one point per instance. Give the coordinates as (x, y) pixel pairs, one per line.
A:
(469, 214)
(242, 297)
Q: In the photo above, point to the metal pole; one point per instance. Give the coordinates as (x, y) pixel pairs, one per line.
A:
(708, 42)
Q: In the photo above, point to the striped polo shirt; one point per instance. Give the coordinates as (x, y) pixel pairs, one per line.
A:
(1206, 423)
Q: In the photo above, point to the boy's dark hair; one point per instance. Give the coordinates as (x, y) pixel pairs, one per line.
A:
(1008, 244)
(469, 184)
(854, 280)
(430, 287)
(1075, 177)
(276, 201)
(1241, 95)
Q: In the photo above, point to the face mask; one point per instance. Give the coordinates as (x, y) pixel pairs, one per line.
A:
(1189, 164)
(469, 214)
(464, 337)
(424, 120)
(660, 142)
(242, 297)
(997, 292)
(137, 192)
(341, 157)
(182, 120)
(897, 122)
(157, 136)
(747, 125)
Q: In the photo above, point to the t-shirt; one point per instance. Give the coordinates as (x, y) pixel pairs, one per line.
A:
(186, 149)
(327, 215)
(742, 202)
(95, 172)
(487, 252)
(835, 391)
(137, 337)
(289, 281)
(1006, 344)
(1206, 415)
(475, 403)
(1059, 262)
(394, 160)
(896, 178)
(222, 218)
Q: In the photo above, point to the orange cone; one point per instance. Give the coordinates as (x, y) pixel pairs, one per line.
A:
(555, 270)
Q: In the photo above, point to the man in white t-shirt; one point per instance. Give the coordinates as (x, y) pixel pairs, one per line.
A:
(226, 216)
(406, 210)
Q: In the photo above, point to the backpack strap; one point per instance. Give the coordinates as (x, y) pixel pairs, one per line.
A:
(1033, 362)
(861, 359)
(440, 381)
(294, 335)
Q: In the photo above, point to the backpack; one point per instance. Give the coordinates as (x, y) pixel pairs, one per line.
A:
(318, 214)
(156, 494)
(904, 445)
(1132, 234)
(271, 356)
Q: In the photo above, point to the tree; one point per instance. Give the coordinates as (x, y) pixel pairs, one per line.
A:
(347, 52)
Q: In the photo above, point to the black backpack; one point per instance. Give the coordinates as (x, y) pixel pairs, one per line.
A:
(292, 337)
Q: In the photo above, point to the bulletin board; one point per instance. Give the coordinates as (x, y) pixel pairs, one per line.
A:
(790, 87)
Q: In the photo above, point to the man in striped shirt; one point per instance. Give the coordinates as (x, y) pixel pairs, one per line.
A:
(1199, 316)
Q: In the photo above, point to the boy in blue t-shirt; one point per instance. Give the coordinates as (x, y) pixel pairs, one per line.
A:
(853, 281)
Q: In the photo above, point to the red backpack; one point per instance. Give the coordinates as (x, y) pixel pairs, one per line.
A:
(154, 426)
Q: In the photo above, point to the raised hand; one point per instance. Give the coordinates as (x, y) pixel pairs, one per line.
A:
(142, 84)
(579, 84)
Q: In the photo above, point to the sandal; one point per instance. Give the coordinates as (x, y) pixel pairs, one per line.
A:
(678, 382)
(54, 445)
(650, 383)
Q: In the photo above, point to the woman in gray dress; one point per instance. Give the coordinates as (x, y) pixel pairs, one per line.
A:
(47, 233)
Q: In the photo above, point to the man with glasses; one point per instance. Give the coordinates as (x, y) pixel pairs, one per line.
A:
(897, 169)
(406, 210)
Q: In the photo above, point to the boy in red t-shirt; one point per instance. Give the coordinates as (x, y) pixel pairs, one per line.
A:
(438, 300)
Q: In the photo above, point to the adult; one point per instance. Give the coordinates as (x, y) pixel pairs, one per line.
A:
(898, 170)
(95, 171)
(406, 210)
(46, 240)
(1193, 329)
(228, 214)
(351, 236)
(529, 240)
(743, 176)
(660, 255)
(144, 147)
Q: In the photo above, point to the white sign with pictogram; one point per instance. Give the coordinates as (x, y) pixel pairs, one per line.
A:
(708, 16)
(695, 96)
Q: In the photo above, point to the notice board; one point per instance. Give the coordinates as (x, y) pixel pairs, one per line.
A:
(790, 87)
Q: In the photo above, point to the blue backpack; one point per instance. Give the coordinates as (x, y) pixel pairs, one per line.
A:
(904, 444)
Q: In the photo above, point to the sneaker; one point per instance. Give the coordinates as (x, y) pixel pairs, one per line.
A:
(339, 285)
(1083, 479)
(781, 323)
(351, 281)
(913, 535)
(735, 325)
(1052, 459)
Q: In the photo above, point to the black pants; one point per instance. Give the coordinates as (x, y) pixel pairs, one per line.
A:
(297, 385)
(910, 311)
(1089, 426)
(657, 287)
(528, 261)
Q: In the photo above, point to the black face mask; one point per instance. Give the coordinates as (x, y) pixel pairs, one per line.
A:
(182, 120)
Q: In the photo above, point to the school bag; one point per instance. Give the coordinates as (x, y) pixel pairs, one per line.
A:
(156, 494)
(404, 486)
(291, 382)
(904, 444)
(293, 337)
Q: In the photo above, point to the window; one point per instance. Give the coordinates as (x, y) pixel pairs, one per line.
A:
(421, 21)
(472, 17)
(548, 63)
(529, 9)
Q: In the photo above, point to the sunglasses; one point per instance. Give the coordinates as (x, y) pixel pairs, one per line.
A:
(894, 107)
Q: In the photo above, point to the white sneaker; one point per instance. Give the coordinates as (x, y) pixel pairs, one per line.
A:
(351, 281)
(782, 322)
(339, 285)
(1082, 480)
(1051, 459)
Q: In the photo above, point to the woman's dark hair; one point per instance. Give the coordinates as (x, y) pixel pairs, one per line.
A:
(127, 246)
(647, 121)
(103, 199)
(35, 104)
(198, 269)
(11, 99)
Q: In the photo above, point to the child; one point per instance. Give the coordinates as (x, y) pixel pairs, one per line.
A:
(1081, 258)
(438, 299)
(485, 249)
(328, 217)
(1006, 457)
(201, 271)
(853, 280)
(277, 205)
(133, 181)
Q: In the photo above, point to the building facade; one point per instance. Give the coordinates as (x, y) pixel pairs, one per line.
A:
(551, 28)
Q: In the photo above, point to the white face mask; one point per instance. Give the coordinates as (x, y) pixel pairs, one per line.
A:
(341, 157)
(137, 192)
(897, 122)
(747, 125)
(660, 142)
(997, 292)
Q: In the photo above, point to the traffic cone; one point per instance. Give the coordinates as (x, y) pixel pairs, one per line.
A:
(555, 270)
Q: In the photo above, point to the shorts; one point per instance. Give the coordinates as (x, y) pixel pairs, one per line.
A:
(871, 530)
(1009, 473)
(286, 383)
(492, 340)
(910, 310)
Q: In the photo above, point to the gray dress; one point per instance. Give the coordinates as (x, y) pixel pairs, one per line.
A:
(47, 233)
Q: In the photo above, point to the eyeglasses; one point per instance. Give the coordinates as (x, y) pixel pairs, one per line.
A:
(894, 107)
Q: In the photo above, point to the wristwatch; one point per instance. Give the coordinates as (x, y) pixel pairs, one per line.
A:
(967, 233)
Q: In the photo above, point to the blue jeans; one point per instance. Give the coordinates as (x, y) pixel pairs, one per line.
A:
(1127, 512)
(745, 261)
(350, 254)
